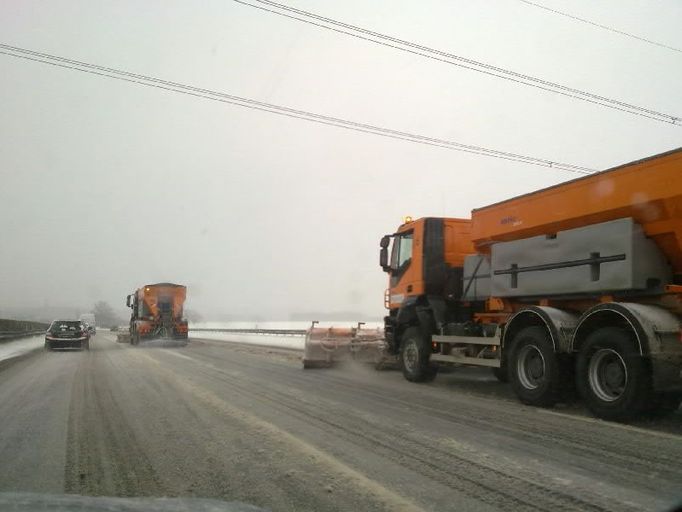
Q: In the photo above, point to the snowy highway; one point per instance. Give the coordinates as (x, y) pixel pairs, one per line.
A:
(239, 422)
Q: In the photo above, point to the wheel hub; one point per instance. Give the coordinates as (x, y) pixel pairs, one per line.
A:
(535, 368)
(614, 375)
(607, 374)
(530, 367)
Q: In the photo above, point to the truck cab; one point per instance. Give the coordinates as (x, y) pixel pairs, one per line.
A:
(425, 270)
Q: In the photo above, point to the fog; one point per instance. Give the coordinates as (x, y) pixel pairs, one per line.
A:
(106, 185)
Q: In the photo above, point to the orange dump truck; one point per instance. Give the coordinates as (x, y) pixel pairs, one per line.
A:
(575, 286)
(157, 312)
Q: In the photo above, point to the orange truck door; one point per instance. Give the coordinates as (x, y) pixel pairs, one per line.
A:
(406, 264)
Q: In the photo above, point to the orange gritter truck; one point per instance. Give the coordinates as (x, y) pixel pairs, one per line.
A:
(576, 286)
(157, 312)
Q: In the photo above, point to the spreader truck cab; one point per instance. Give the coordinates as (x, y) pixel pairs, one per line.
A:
(575, 286)
(157, 312)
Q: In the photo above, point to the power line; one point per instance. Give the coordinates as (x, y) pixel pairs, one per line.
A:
(63, 62)
(275, 109)
(456, 60)
(605, 27)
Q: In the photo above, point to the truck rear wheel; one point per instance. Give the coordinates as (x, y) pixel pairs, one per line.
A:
(414, 357)
(611, 375)
(534, 368)
(502, 373)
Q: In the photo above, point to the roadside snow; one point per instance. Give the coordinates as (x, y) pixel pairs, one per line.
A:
(291, 342)
(10, 349)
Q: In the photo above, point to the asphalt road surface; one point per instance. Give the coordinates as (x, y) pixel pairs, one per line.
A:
(226, 421)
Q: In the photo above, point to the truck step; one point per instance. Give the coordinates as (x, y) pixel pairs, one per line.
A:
(474, 340)
(476, 361)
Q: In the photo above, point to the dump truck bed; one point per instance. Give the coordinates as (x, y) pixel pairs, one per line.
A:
(649, 191)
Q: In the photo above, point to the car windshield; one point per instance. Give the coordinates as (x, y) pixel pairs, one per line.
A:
(330, 256)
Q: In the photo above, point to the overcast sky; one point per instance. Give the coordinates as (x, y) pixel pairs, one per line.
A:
(106, 185)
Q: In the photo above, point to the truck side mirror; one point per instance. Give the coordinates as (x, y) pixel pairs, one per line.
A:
(128, 300)
(383, 259)
(383, 254)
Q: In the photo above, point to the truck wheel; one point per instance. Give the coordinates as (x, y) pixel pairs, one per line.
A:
(534, 370)
(501, 373)
(414, 357)
(611, 376)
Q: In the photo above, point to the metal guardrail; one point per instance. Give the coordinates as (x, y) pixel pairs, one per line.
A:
(14, 329)
(13, 335)
(270, 332)
(8, 333)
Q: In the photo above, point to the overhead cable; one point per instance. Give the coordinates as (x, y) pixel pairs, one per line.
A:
(456, 60)
(149, 81)
(599, 25)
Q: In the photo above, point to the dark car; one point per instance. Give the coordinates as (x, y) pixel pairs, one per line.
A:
(67, 334)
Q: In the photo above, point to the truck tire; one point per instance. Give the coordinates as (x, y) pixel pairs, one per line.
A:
(611, 376)
(501, 373)
(414, 357)
(534, 369)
